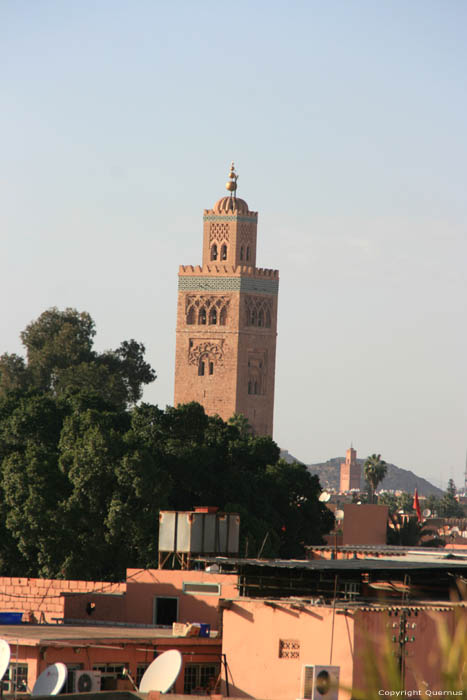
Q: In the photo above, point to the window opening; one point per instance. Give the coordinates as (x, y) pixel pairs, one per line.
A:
(268, 319)
(202, 317)
(200, 678)
(248, 252)
(213, 317)
(214, 252)
(190, 317)
(15, 679)
(201, 368)
(289, 649)
(165, 610)
(224, 252)
(241, 252)
(261, 318)
(253, 317)
(255, 388)
(211, 368)
(249, 387)
(223, 316)
(140, 670)
(196, 588)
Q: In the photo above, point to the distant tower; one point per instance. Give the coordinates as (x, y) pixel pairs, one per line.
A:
(350, 471)
(227, 320)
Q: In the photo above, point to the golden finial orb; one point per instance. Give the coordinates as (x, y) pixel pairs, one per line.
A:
(231, 185)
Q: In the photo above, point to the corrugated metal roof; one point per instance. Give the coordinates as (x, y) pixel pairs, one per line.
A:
(338, 564)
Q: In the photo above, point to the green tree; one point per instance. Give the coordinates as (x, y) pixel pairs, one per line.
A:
(449, 506)
(374, 470)
(61, 361)
(389, 500)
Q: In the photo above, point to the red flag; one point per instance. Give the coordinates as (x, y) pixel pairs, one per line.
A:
(416, 505)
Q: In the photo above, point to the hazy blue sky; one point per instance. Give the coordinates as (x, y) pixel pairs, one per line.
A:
(347, 123)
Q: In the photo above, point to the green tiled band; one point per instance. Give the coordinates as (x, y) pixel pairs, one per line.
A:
(227, 284)
(214, 217)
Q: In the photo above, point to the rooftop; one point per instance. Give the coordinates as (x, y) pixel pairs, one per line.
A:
(93, 635)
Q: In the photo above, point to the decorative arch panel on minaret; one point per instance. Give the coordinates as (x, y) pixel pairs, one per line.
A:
(227, 319)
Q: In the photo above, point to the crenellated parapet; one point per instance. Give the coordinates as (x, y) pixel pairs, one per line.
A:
(228, 271)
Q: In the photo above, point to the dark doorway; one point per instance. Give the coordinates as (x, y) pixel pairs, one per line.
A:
(165, 611)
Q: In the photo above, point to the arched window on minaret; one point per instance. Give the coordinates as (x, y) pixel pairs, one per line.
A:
(202, 316)
(261, 318)
(268, 318)
(211, 368)
(253, 317)
(214, 252)
(190, 317)
(248, 252)
(223, 316)
(213, 318)
(224, 252)
(249, 388)
(241, 252)
(201, 367)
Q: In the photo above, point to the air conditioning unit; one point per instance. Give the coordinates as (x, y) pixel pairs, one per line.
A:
(320, 682)
(87, 681)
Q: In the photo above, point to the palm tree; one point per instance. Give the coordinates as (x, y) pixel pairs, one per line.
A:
(374, 470)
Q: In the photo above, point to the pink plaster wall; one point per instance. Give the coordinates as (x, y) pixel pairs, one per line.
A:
(144, 585)
(252, 630)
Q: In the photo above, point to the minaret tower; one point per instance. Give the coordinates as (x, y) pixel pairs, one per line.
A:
(227, 319)
(350, 472)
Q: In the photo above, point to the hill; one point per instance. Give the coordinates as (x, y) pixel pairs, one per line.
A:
(397, 479)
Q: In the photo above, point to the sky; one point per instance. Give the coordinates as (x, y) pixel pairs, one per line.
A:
(346, 120)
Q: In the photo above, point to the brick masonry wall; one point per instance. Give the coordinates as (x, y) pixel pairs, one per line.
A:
(43, 599)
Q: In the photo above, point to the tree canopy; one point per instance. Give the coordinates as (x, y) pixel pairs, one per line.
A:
(84, 470)
(60, 361)
(374, 470)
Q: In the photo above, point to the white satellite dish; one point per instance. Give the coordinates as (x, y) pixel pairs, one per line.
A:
(339, 515)
(162, 673)
(51, 681)
(4, 657)
(426, 513)
(324, 497)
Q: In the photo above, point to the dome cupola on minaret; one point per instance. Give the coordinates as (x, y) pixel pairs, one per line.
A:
(231, 204)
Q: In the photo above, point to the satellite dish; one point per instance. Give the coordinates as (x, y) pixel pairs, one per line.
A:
(51, 681)
(162, 673)
(4, 657)
(324, 497)
(426, 513)
(339, 515)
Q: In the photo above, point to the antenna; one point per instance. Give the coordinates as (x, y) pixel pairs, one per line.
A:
(324, 497)
(51, 681)
(4, 658)
(162, 673)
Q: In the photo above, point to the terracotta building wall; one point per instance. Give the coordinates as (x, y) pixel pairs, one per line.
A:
(364, 524)
(252, 635)
(215, 392)
(43, 598)
(131, 654)
(145, 585)
(424, 657)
